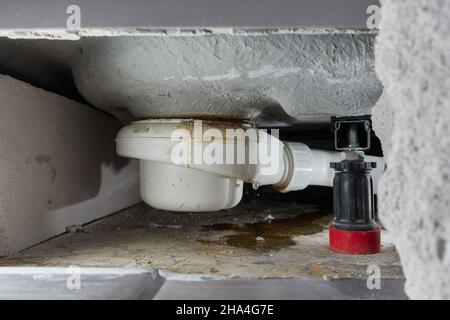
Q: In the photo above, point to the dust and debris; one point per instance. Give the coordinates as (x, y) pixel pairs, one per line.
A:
(220, 243)
(169, 226)
(74, 229)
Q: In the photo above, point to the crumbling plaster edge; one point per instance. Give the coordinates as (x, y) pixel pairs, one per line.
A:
(65, 34)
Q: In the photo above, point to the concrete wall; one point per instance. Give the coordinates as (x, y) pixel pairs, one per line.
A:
(58, 166)
(412, 57)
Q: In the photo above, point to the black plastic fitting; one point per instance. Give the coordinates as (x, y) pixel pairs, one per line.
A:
(353, 203)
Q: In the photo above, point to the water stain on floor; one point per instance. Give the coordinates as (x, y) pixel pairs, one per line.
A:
(220, 243)
(269, 235)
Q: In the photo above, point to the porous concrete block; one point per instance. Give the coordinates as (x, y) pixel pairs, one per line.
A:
(412, 55)
(58, 166)
(383, 116)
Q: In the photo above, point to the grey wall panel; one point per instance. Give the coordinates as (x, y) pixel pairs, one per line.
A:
(187, 13)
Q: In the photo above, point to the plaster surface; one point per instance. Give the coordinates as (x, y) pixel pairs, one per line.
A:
(307, 76)
(58, 166)
(413, 62)
(269, 76)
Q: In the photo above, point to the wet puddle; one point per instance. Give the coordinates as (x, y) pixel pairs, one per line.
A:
(269, 235)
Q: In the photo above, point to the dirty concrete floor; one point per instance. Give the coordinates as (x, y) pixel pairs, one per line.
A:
(267, 235)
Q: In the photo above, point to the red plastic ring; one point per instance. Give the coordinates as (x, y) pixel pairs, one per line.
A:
(355, 242)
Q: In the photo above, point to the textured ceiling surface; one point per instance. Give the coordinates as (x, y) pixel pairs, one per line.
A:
(273, 76)
(307, 76)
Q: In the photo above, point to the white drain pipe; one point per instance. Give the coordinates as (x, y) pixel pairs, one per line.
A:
(312, 167)
(198, 186)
